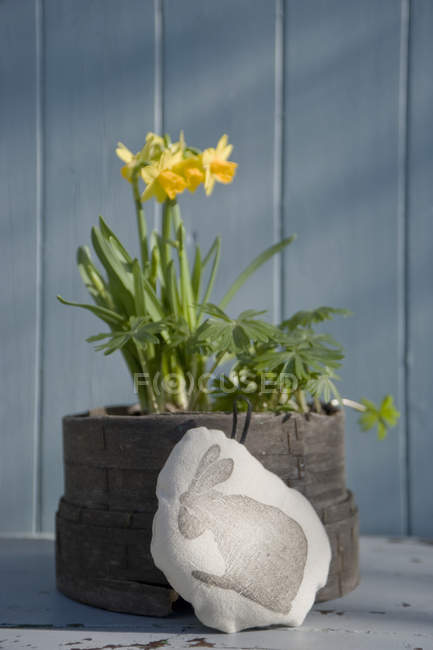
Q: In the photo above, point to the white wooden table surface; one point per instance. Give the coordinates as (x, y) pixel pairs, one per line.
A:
(391, 609)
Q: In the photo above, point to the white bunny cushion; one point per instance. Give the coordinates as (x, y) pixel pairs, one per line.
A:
(233, 539)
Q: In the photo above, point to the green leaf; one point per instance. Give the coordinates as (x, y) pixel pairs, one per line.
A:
(172, 290)
(141, 331)
(257, 330)
(115, 243)
(388, 411)
(252, 268)
(99, 337)
(170, 242)
(215, 311)
(154, 266)
(273, 359)
(215, 250)
(369, 405)
(241, 339)
(251, 313)
(92, 279)
(299, 367)
(167, 223)
(160, 259)
(119, 274)
(153, 304)
(115, 343)
(384, 416)
(368, 420)
(141, 224)
(211, 251)
(224, 335)
(186, 291)
(140, 304)
(106, 315)
(307, 318)
(323, 387)
(197, 271)
(111, 260)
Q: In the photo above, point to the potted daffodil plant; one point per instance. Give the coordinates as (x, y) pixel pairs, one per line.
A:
(189, 360)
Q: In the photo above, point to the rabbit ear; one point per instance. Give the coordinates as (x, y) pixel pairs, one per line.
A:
(216, 473)
(210, 456)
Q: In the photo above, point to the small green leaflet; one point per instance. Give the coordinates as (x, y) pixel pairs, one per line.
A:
(307, 318)
(227, 335)
(141, 332)
(384, 416)
(323, 387)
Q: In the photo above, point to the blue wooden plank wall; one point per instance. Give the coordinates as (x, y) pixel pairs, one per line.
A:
(329, 104)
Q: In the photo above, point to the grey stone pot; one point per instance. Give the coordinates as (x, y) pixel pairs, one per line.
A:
(112, 459)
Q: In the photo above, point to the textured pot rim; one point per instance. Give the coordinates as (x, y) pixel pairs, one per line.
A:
(93, 414)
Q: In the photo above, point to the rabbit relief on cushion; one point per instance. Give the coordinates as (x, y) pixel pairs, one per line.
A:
(264, 553)
(233, 539)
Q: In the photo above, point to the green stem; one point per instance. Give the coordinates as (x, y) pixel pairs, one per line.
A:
(216, 363)
(143, 398)
(141, 221)
(166, 232)
(180, 397)
(151, 397)
(198, 395)
(175, 211)
(301, 401)
(134, 368)
(352, 404)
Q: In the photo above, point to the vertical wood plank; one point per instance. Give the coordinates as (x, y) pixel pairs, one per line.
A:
(99, 81)
(18, 257)
(341, 192)
(219, 78)
(420, 271)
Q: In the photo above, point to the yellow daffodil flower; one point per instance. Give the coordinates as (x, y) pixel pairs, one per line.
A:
(152, 150)
(168, 168)
(160, 178)
(191, 169)
(129, 158)
(216, 165)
